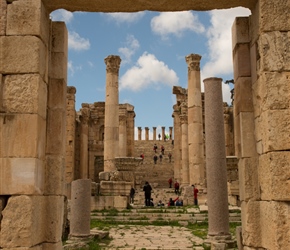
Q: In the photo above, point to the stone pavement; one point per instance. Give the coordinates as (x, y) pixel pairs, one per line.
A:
(153, 237)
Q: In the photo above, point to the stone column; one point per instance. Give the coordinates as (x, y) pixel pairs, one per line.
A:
(146, 133)
(130, 132)
(111, 141)
(195, 124)
(217, 196)
(170, 133)
(184, 145)
(84, 141)
(154, 133)
(123, 135)
(70, 137)
(139, 133)
(177, 143)
(80, 208)
(163, 133)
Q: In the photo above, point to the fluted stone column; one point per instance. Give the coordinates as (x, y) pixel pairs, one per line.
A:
(111, 141)
(80, 208)
(84, 140)
(195, 128)
(170, 133)
(184, 145)
(163, 133)
(146, 133)
(154, 133)
(177, 143)
(217, 196)
(139, 133)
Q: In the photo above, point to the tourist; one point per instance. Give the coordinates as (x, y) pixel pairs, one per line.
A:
(142, 156)
(155, 158)
(179, 202)
(159, 136)
(172, 202)
(155, 148)
(170, 182)
(195, 191)
(169, 156)
(147, 192)
(132, 194)
(162, 149)
(160, 204)
(176, 187)
(160, 157)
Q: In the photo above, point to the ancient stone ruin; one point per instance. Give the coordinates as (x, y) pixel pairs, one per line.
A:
(33, 96)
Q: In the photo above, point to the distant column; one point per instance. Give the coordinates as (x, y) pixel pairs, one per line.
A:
(130, 133)
(84, 140)
(184, 145)
(123, 134)
(195, 125)
(154, 133)
(163, 133)
(111, 141)
(170, 133)
(146, 133)
(217, 196)
(177, 143)
(139, 133)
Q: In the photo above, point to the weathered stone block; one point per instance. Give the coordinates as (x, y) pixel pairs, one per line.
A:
(275, 15)
(274, 129)
(271, 91)
(21, 176)
(23, 54)
(55, 131)
(248, 146)
(104, 176)
(59, 38)
(237, 135)
(3, 17)
(102, 202)
(27, 215)
(251, 223)
(55, 175)
(57, 93)
(274, 225)
(274, 176)
(115, 188)
(25, 94)
(53, 219)
(28, 18)
(242, 61)
(58, 65)
(22, 135)
(52, 246)
(240, 31)
(243, 95)
(254, 62)
(274, 51)
(121, 202)
(248, 179)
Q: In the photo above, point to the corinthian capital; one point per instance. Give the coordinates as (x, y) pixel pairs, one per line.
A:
(113, 64)
(193, 62)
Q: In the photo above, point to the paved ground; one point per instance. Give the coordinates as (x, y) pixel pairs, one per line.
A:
(153, 237)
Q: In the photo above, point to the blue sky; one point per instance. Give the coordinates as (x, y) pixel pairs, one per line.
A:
(152, 46)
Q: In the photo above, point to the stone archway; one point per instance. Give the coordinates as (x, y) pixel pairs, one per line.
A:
(32, 102)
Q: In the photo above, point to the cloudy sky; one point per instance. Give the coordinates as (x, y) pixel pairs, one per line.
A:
(152, 46)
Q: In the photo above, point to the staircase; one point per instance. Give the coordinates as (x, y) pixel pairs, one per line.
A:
(156, 174)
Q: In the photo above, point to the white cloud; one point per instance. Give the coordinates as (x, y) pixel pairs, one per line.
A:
(148, 71)
(176, 23)
(76, 42)
(72, 68)
(61, 15)
(132, 45)
(220, 46)
(220, 41)
(126, 17)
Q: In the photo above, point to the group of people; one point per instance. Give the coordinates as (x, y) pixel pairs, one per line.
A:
(176, 202)
(162, 152)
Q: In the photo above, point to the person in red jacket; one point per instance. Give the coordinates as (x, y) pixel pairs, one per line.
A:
(195, 192)
(176, 187)
(170, 182)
